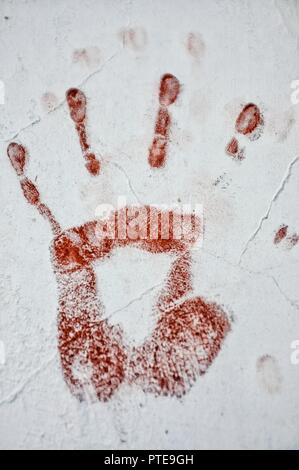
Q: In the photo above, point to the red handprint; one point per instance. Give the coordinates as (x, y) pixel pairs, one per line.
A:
(189, 331)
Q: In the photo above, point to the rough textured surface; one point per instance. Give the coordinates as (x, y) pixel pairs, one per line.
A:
(225, 55)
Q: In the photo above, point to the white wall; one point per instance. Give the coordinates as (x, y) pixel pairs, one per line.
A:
(247, 52)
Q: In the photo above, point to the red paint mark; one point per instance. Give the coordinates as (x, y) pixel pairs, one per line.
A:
(249, 119)
(77, 105)
(18, 156)
(169, 91)
(280, 234)
(249, 123)
(195, 45)
(134, 38)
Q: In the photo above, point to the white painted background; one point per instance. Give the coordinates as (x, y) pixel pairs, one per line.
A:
(250, 53)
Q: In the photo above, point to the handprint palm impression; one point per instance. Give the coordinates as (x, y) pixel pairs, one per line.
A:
(189, 331)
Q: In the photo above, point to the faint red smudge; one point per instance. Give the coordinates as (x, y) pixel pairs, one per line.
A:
(169, 89)
(168, 93)
(280, 234)
(49, 101)
(268, 373)
(134, 38)
(89, 56)
(77, 105)
(195, 45)
(17, 156)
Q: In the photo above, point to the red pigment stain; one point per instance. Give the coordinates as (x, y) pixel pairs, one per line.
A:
(168, 93)
(249, 123)
(77, 106)
(95, 356)
(134, 38)
(280, 234)
(18, 156)
(195, 45)
(234, 150)
(249, 119)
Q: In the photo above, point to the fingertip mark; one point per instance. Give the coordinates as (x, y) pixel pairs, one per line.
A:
(169, 89)
(280, 234)
(49, 101)
(17, 157)
(232, 147)
(268, 373)
(249, 119)
(77, 104)
(76, 100)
